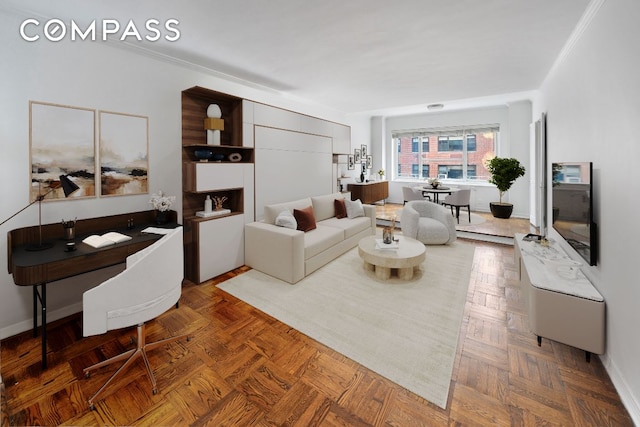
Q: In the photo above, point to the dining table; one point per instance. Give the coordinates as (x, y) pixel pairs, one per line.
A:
(436, 191)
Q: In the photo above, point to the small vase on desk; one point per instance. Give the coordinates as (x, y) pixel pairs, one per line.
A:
(161, 217)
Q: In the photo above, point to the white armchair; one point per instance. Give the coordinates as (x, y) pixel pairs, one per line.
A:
(150, 285)
(428, 222)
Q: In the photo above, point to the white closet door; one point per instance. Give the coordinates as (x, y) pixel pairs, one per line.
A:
(290, 165)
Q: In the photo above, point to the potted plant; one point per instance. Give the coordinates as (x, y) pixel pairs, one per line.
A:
(504, 171)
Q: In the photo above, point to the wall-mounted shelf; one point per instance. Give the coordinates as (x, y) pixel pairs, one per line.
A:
(245, 153)
(227, 172)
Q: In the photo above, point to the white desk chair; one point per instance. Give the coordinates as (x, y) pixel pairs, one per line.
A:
(150, 285)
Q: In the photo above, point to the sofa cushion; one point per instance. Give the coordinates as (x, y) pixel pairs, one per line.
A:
(340, 208)
(321, 239)
(323, 205)
(354, 208)
(305, 218)
(287, 220)
(351, 227)
(271, 211)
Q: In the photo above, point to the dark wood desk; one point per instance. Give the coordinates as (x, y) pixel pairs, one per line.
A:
(37, 268)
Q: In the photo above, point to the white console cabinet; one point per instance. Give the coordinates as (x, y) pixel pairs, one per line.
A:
(563, 305)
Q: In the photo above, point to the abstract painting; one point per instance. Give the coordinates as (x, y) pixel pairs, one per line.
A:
(62, 142)
(124, 154)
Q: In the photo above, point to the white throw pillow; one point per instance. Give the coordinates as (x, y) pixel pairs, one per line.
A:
(354, 208)
(287, 220)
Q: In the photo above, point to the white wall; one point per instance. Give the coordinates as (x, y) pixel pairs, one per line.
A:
(101, 76)
(592, 102)
(514, 120)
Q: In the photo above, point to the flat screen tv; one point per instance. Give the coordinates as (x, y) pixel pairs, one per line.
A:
(572, 207)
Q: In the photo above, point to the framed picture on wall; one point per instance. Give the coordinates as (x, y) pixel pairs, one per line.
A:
(369, 162)
(62, 141)
(351, 163)
(124, 152)
(357, 155)
(363, 151)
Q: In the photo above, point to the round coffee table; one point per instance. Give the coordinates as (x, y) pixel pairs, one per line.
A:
(410, 254)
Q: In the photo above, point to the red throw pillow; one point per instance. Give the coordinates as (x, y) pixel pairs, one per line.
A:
(305, 218)
(341, 209)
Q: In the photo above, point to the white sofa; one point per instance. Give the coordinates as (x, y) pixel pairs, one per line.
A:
(289, 254)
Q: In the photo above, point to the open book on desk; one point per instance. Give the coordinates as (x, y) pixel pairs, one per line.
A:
(110, 238)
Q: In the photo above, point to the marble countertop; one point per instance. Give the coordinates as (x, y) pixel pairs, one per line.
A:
(552, 269)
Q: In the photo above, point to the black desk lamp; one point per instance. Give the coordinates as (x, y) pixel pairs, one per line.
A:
(68, 187)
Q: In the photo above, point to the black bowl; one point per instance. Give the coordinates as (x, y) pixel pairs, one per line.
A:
(203, 153)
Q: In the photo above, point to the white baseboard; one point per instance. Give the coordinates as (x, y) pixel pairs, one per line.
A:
(27, 325)
(629, 401)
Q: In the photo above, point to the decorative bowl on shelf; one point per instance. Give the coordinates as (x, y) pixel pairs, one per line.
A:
(235, 157)
(203, 154)
(218, 157)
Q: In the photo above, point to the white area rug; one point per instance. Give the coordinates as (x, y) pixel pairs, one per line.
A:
(464, 219)
(404, 331)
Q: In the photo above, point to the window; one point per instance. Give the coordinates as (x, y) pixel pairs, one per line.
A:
(449, 153)
(450, 143)
(450, 171)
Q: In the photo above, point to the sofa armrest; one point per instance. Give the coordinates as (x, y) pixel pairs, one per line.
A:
(370, 211)
(276, 251)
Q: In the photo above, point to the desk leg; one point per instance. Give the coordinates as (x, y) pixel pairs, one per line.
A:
(42, 296)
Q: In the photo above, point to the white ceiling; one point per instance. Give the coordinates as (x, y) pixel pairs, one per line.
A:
(354, 55)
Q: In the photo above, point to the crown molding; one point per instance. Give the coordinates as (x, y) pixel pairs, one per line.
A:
(576, 35)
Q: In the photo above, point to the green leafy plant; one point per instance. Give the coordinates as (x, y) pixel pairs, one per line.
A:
(504, 171)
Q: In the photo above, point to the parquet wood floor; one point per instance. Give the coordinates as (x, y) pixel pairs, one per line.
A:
(244, 368)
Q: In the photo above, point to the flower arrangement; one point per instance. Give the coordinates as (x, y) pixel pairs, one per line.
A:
(381, 173)
(434, 182)
(161, 202)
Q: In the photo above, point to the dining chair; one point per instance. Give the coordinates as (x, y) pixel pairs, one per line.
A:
(459, 199)
(413, 193)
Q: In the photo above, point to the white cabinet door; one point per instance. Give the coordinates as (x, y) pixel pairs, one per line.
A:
(220, 245)
(341, 139)
(219, 176)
